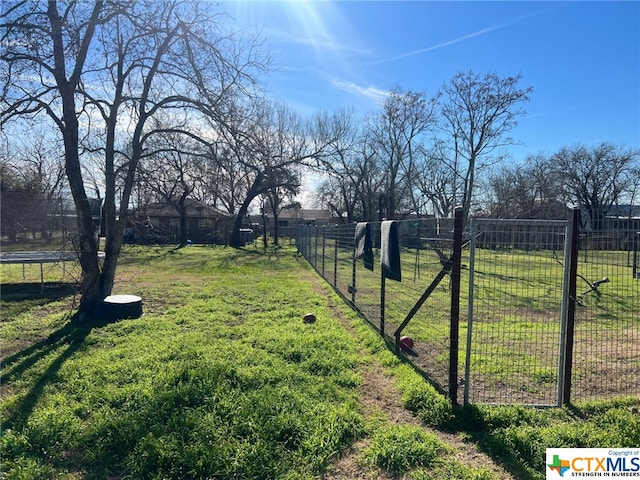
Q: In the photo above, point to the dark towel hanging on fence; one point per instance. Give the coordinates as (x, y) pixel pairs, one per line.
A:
(390, 250)
(363, 244)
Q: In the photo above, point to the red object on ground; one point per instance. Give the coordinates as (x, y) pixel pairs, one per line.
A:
(406, 343)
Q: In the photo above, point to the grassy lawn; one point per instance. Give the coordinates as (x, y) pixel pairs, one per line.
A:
(222, 379)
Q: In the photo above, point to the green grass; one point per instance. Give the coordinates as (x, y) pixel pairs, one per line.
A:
(221, 379)
(399, 449)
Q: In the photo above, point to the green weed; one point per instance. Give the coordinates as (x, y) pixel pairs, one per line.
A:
(401, 448)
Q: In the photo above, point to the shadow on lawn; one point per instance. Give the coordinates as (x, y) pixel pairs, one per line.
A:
(243, 256)
(68, 339)
(20, 297)
(472, 422)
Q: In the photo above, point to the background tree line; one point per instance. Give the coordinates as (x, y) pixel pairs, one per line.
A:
(161, 101)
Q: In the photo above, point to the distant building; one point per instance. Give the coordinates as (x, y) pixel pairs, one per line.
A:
(616, 227)
(290, 217)
(160, 223)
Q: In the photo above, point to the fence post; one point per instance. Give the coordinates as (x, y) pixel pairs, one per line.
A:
(454, 327)
(382, 301)
(324, 245)
(353, 279)
(315, 250)
(635, 239)
(335, 257)
(571, 306)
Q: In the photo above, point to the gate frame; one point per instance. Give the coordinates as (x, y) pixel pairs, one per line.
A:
(565, 343)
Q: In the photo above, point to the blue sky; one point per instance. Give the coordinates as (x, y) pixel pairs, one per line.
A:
(581, 58)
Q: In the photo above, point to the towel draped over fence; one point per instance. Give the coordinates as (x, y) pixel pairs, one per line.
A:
(390, 250)
(363, 243)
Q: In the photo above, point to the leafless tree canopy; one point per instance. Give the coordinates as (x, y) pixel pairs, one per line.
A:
(101, 72)
(160, 101)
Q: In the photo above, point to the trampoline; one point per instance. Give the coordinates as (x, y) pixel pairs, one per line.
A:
(25, 258)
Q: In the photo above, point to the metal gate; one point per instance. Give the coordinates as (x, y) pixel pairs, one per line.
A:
(517, 303)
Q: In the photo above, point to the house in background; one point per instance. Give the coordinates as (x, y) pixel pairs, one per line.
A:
(288, 218)
(616, 227)
(160, 223)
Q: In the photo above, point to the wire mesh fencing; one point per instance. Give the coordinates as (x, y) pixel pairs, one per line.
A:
(553, 306)
(515, 321)
(425, 246)
(606, 344)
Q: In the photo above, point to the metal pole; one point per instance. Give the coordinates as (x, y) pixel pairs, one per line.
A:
(353, 279)
(454, 327)
(563, 312)
(635, 241)
(324, 247)
(472, 265)
(382, 301)
(571, 307)
(335, 257)
(315, 251)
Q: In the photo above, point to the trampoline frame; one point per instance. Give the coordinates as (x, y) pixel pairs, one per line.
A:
(41, 257)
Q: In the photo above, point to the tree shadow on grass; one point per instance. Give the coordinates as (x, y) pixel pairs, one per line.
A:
(68, 339)
(241, 256)
(20, 297)
(472, 422)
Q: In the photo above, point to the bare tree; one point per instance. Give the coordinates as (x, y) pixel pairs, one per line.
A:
(396, 137)
(478, 113)
(281, 198)
(45, 56)
(346, 166)
(529, 190)
(35, 167)
(436, 185)
(333, 195)
(225, 179)
(598, 177)
(115, 65)
(173, 170)
(270, 144)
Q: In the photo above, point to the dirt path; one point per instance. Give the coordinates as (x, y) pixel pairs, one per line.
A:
(380, 395)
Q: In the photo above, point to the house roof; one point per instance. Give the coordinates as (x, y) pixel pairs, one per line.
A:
(304, 214)
(623, 211)
(194, 209)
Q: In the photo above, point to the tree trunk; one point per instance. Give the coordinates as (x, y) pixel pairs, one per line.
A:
(467, 193)
(113, 246)
(236, 238)
(91, 294)
(264, 231)
(184, 224)
(276, 233)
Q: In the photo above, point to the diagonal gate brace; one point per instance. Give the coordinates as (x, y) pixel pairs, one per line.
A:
(446, 269)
